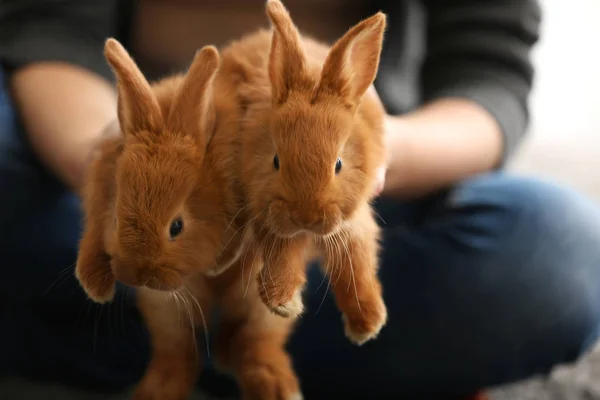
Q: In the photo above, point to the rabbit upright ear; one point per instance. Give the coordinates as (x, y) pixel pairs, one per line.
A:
(138, 108)
(287, 60)
(190, 112)
(352, 63)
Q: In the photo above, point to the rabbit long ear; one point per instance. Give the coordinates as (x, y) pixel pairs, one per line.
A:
(287, 60)
(190, 112)
(138, 108)
(352, 63)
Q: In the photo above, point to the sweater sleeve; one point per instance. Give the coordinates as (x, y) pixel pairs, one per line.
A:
(70, 31)
(480, 50)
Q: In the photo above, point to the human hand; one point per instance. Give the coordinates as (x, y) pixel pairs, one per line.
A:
(438, 144)
(389, 127)
(389, 131)
(92, 148)
(113, 129)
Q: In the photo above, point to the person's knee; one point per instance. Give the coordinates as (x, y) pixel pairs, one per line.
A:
(524, 255)
(552, 235)
(509, 208)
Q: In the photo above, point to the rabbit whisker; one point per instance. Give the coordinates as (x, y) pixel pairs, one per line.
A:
(251, 220)
(338, 258)
(223, 248)
(236, 215)
(190, 314)
(61, 278)
(326, 242)
(379, 216)
(204, 325)
(329, 249)
(353, 280)
(249, 277)
(259, 255)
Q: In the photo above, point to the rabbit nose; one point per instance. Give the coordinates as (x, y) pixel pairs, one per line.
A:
(307, 220)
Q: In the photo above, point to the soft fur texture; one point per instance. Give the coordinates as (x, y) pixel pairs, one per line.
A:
(175, 161)
(307, 105)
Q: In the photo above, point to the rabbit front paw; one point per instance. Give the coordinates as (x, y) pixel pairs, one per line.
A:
(366, 323)
(96, 278)
(281, 304)
(292, 308)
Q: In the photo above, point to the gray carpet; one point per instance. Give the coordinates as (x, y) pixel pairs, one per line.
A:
(573, 382)
(577, 382)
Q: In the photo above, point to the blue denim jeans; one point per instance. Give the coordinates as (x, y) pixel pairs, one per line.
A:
(490, 282)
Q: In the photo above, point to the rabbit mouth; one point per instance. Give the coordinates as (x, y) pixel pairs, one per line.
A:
(289, 234)
(290, 229)
(165, 282)
(158, 278)
(287, 222)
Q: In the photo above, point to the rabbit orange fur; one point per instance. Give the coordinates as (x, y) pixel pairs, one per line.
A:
(312, 143)
(161, 215)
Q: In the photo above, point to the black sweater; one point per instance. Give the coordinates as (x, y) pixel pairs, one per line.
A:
(476, 49)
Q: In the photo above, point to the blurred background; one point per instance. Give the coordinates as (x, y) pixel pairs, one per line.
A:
(564, 138)
(564, 144)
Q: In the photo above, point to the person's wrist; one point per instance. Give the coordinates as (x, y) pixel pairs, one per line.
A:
(396, 143)
(90, 148)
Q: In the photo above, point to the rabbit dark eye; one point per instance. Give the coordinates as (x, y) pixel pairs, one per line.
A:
(276, 162)
(176, 228)
(338, 166)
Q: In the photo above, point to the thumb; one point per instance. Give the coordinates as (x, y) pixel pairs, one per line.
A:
(380, 180)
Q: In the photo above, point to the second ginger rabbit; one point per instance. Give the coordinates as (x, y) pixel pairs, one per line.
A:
(161, 215)
(311, 148)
